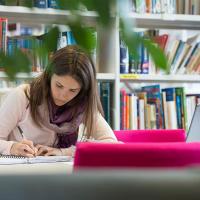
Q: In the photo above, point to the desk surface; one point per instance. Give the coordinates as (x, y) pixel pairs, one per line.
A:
(38, 168)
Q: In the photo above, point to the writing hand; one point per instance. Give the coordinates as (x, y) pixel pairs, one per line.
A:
(23, 148)
(47, 151)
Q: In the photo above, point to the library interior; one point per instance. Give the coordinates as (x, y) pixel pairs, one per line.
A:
(99, 99)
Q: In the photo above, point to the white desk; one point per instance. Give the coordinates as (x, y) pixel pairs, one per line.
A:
(39, 168)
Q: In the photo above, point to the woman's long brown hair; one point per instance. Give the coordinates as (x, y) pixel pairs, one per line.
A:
(70, 60)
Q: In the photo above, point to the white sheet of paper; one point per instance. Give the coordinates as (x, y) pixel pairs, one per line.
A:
(6, 160)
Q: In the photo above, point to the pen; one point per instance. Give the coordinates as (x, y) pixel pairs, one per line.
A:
(20, 130)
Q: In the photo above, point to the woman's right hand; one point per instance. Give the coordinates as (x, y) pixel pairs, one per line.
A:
(23, 148)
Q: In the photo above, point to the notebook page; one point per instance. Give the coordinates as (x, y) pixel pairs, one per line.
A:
(49, 159)
(9, 160)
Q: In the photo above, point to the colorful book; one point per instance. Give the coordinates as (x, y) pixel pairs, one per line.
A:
(123, 109)
(161, 40)
(142, 96)
(180, 56)
(133, 112)
(170, 108)
(181, 108)
(193, 42)
(154, 97)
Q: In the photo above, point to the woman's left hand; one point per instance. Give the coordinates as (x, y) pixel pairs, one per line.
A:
(47, 151)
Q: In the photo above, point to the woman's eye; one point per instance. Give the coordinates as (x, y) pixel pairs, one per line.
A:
(59, 86)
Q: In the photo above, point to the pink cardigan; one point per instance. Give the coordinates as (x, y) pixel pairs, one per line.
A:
(14, 112)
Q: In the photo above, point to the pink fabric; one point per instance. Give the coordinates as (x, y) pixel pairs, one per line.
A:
(137, 155)
(176, 135)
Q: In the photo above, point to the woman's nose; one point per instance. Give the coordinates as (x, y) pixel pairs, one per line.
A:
(64, 95)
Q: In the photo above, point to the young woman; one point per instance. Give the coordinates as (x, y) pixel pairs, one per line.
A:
(61, 106)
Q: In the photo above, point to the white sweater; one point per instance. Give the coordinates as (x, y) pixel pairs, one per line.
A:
(13, 113)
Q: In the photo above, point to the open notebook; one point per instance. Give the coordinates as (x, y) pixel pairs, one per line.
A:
(9, 160)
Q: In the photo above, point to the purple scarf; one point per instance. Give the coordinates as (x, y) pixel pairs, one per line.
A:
(60, 119)
(59, 115)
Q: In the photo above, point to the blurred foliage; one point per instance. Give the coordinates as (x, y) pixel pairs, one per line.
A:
(17, 62)
(85, 37)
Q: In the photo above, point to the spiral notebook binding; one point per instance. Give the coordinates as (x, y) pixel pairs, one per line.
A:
(12, 156)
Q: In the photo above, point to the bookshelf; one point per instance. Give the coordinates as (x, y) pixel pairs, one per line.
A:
(134, 83)
(108, 40)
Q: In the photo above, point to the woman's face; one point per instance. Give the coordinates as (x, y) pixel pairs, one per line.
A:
(63, 89)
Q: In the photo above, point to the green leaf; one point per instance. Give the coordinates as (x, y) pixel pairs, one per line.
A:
(133, 41)
(26, 3)
(85, 37)
(17, 62)
(68, 4)
(11, 2)
(50, 39)
(102, 7)
(156, 53)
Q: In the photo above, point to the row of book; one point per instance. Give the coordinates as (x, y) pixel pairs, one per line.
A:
(24, 40)
(35, 3)
(27, 43)
(128, 63)
(183, 55)
(166, 6)
(155, 108)
(18, 29)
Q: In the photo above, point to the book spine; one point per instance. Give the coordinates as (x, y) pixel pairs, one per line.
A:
(124, 58)
(40, 3)
(70, 38)
(4, 34)
(154, 97)
(127, 111)
(141, 114)
(123, 109)
(52, 4)
(171, 107)
(105, 100)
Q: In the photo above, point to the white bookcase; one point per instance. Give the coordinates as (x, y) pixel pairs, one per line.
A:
(108, 41)
(178, 22)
